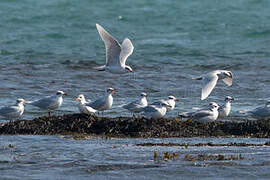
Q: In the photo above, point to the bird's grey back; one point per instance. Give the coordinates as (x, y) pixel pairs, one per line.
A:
(43, 103)
(8, 109)
(97, 104)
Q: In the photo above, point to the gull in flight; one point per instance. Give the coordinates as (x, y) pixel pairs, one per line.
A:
(83, 105)
(116, 54)
(224, 110)
(155, 111)
(105, 102)
(203, 115)
(50, 103)
(14, 111)
(138, 105)
(210, 81)
(260, 112)
(171, 101)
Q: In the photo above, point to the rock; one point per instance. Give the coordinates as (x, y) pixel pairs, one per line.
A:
(134, 127)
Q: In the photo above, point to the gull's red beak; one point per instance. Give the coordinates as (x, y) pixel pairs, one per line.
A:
(132, 71)
(77, 99)
(113, 91)
(176, 99)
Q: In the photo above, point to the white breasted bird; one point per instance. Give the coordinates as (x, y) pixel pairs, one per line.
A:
(225, 109)
(50, 103)
(105, 102)
(203, 115)
(171, 101)
(116, 54)
(14, 111)
(210, 80)
(138, 105)
(155, 111)
(83, 105)
(260, 112)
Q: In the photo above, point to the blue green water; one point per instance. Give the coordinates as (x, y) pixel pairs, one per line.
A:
(53, 45)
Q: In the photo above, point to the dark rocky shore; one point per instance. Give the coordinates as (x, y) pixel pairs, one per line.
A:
(132, 127)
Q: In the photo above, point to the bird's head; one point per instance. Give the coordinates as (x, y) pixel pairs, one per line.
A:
(129, 69)
(143, 94)
(229, 99)
(61, 93)
(213, 105)
(80, 98)
(228, 74)
(165, 105)
(22, 101)
(267, 103)
(173, 98)
(110, 91)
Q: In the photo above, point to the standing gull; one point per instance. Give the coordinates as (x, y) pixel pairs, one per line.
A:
(260, 112)
(155, 111)
(210, 80)
(171, 101)
(103, 103)
(14, 111)
(203, 115)
(224, 110)
(137, 106)
(83, 106)
(116, 54)
(50, 103)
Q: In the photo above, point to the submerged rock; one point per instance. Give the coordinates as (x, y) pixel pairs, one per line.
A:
(134, 127)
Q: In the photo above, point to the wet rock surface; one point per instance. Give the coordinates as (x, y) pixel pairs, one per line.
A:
(134, 127)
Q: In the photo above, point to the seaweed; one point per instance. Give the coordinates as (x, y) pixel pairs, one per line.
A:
(84, 125)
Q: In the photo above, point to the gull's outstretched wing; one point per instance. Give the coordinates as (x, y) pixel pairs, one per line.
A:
(209, 82)
(126, 51)
(113, 48)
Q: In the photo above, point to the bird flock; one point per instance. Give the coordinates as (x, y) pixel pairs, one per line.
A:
(116, 57)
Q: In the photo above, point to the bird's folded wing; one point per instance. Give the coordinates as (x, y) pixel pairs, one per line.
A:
(43, 103)
(7, 110)
(97, 104)
(149, 109)
(201, 114)
(100, 68)
(159, 102)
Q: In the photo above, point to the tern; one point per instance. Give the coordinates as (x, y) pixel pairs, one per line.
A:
(203, 115)
(50, 103)
(225, 109)
(116, 54)
(171, 101)
(83, 106)
(155, 111)
(138, 105)
(14, 111)
(260, 112)
(103, 103)
(210, 80)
